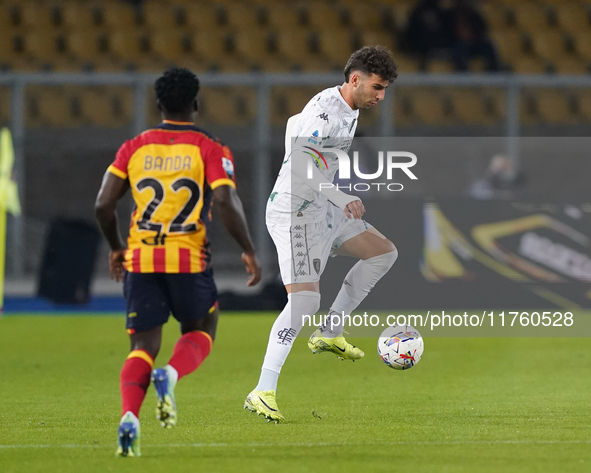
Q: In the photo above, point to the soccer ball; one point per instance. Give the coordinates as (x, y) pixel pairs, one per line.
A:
(400, 347)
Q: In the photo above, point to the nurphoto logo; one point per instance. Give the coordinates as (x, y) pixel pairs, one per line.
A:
(387, 161)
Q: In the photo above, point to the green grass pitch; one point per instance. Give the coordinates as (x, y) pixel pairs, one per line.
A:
(470, 405)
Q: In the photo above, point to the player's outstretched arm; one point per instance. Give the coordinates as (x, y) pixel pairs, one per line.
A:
(112, 189)
(231, 213)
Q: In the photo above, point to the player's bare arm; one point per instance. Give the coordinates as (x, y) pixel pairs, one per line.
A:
(112, 189)
(232, 216)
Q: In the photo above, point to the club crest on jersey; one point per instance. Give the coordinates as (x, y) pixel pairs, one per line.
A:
(323, 116)
(228, 166)
(314, 138)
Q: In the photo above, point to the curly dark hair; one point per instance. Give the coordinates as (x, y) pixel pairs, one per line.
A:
(176, 90)
(372, 60)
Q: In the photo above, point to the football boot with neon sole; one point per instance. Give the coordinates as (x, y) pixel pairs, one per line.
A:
(338, 345)
(264, 403)
(166, 405)
(129, 436)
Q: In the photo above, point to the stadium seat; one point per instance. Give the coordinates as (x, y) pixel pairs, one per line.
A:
(49, 107)
(234, 65)
(202, 16)
(583, 97)
(582, 43)
(406, 64)
(242, 15)
(211, 45)
(78, 16)
(531, 16)
(403, 110)
(105, 107)
(86, 45)
(43, 45)
(227, 106)
(571, 65)
(36, 16)
(469, 107)
(509, 44)
(161, 17)
(324, 16)
(282, 17)
(6, 18)
(8, 50)
(336, 45)
(317, 63)
(555, 106)
(495, 15)
(374, 37)
(272, 63)
(118, 16)
(528, 108)
(170, 44)
(294, 45)
(549, 44)
(429, 106)
(440, 66)
(530, 65)
(93, 107)
(363, 18)
(495, 102)
(128, 44)
(573, 16)
(252, 44)
(189, 61)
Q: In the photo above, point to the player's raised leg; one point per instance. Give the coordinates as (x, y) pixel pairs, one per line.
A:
(376, 256)
(302, 299)
(135, 379)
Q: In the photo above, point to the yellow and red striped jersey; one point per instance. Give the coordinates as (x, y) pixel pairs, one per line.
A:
(172, 171)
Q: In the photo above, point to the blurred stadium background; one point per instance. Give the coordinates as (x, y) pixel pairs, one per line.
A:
(76, 77)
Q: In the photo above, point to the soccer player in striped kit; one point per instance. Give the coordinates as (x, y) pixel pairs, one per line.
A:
(174, 172)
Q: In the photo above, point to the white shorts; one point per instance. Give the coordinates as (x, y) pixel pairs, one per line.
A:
(303, 248)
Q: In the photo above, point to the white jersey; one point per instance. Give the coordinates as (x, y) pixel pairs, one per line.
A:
(327, 121)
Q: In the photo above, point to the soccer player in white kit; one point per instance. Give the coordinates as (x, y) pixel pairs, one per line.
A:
(309, 220)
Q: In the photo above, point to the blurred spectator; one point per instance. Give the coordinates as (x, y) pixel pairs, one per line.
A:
(428, 31)
(502, 180)
(459, 33)
(470, 37)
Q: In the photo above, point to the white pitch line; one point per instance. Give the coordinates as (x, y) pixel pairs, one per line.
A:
(319, 444)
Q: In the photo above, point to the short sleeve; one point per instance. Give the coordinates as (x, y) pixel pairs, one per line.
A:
(219, 166)
(119, 166)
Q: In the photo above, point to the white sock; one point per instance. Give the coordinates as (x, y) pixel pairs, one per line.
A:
(362, 277)
(267, 381)
(283, 333)
(173, 374)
